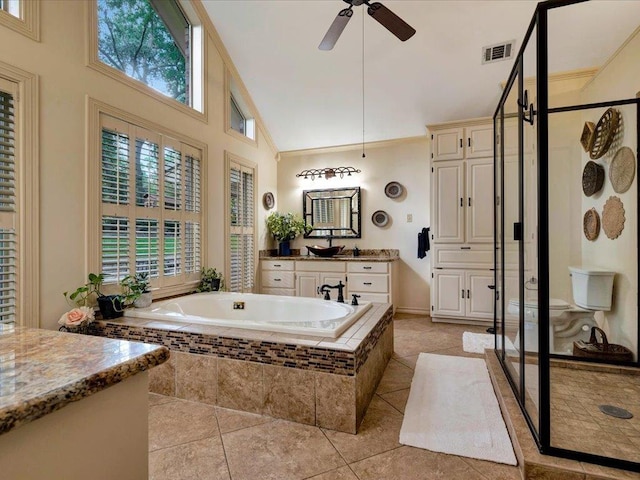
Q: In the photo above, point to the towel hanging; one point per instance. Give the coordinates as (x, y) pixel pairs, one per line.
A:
(423, 242)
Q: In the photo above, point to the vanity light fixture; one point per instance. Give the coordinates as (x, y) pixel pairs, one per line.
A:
(328, 172)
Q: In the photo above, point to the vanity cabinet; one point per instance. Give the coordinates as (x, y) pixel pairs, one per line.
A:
(462, 220)
(372, 280)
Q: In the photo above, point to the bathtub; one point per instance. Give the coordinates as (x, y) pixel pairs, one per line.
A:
(274, 313)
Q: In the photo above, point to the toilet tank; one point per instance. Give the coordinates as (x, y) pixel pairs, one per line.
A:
(592, 287)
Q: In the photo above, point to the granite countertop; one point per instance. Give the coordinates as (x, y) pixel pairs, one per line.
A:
(380, 255)
(41, 371)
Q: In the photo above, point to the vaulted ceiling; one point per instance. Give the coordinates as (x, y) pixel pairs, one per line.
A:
(311, 98)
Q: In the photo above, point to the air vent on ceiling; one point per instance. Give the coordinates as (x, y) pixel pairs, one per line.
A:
(498, 52)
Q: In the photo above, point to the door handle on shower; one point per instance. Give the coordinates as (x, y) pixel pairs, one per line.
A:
(517, 231)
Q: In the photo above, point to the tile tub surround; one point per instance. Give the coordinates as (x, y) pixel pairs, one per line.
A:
(41, 371)
(311, 380)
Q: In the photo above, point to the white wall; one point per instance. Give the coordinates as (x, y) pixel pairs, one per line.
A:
(619, 79)
(66, 81)
(402, 161)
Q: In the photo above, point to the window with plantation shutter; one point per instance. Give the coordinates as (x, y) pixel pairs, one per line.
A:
(241, 225)
(8, 235)
(151, 218)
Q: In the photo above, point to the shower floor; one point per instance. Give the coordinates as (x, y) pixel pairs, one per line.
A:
(576, 421)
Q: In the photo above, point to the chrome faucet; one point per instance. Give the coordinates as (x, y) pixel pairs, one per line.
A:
(326, 288)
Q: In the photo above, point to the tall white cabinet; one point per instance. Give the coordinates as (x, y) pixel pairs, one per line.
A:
(462, 221)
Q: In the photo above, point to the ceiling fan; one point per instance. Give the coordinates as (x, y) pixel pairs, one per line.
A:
(379, 12)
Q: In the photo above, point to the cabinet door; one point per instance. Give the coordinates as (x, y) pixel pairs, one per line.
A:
(448, 293)
(307, 284)
(479, 297)
(479, 201)
(479, 141)
(447, 144)
(448, 200)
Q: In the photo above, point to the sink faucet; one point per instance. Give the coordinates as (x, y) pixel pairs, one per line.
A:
(326, 288)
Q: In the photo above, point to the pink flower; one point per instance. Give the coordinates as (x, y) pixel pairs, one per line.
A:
(77, 316)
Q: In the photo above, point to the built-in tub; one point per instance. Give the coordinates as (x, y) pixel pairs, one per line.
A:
(296, 315)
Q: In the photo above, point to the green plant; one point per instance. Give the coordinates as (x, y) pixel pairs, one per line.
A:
(81, 296)
(286, 227)
(133, 286)
(208, 280)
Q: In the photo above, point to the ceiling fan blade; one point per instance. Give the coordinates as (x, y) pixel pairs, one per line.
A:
(391, 21)
(336, 28)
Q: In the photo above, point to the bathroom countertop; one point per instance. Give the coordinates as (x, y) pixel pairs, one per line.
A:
(377, 255)
(41, 371)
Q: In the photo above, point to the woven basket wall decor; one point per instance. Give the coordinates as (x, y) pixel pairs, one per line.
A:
(613, 217)
(622, 169)
(605, 132)
(588, 137)
(591, 224)
(592, 178)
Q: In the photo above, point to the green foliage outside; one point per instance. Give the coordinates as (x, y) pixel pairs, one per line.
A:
(135, 40)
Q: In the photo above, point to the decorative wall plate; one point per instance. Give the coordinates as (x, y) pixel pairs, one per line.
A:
(592, 178)
(605, 132)
(268, 200)
(393, 190)
(613, 217)
(380, 218)
(591, 224)
(622, 170)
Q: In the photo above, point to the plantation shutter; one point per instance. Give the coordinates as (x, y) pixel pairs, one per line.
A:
(241, 232)
(151, 206)
(8, 217)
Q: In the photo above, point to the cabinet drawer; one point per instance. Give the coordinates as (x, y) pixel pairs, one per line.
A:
(319, 266)
(277, 264)
(463, 256)
(367, 267)
(277, 279)
(279, 291)
(368, 283)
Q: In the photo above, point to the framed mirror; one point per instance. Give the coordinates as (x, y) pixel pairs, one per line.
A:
(333, 213)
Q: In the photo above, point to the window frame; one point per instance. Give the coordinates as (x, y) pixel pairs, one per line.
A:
(231, 159)
(27, 193)
(96, 110)
(28, 21)
(232, 89)
(198, 84)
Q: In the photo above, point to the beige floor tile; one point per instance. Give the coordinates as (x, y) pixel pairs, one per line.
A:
(397, 376)
(157, 399)
(379, 432)
(279, 450)
(408, 463)
(397, 399)
(342, 473)
(494, 471)
(180, 422)
(202, 460)
(408, 361)
(411, 343)
(231, 420)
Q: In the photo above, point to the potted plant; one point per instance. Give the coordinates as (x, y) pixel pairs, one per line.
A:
(135, 290)
(210, 281)
(111, 306)
(285, 228)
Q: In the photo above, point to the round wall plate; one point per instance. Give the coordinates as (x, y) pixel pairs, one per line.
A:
(393, 190)
(380, 218)
(268, 200)
(622, 170)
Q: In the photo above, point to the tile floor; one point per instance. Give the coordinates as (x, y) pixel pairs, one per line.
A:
(189, 440)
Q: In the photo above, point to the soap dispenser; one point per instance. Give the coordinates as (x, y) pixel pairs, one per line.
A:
(356, 251)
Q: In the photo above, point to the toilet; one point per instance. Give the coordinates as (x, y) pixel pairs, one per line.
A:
(592, 290)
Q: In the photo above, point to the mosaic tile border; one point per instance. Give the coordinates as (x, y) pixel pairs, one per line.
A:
(319, 359)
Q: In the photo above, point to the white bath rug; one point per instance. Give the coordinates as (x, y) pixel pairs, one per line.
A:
(478, 342)
(452, 409)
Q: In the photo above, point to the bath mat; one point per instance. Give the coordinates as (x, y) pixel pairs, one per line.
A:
(478, 342)
(452, 409)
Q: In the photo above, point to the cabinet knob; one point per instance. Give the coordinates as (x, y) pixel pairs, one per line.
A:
(366, 268)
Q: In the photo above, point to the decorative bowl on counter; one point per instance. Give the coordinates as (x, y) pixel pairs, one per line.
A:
(325, 251)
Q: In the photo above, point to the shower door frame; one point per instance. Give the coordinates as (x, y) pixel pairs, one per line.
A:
(542, 432)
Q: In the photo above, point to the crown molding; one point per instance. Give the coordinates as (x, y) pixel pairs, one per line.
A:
(469, 122)
(350, 147)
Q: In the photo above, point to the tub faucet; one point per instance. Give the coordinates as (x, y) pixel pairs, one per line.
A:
(325, 289)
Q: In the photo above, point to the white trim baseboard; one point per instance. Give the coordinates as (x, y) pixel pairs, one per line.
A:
(416, 311)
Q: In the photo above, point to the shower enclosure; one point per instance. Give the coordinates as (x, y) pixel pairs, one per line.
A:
(575, 74)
